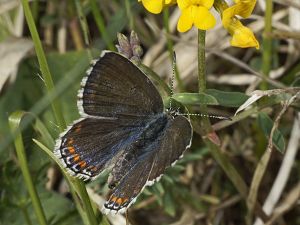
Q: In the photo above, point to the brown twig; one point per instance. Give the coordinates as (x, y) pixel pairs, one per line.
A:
(290, 200)
(276, 122)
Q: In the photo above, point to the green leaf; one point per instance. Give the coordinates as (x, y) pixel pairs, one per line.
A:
(228, 99)
(168, 179)
(266, 124)
(195, 155)
(212, 97)
(160, 188)
(169, 204)
(195, 99)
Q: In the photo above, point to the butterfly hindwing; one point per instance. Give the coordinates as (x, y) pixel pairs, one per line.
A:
(131, 185)
(146, 164)
(175, 140)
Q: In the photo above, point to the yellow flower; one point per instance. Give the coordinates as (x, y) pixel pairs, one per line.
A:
(242, 36)
(156, 6)
(195, 12)
(242, 8)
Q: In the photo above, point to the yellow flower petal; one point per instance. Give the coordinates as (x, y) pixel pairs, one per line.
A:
(185, 21)
(169, 2)
(183, 4)
(153, 6)
(242, 36)
(246, 8)
(242, 8)
(206, 3)
(202, 18)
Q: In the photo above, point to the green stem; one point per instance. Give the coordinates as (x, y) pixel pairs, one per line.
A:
(220, 6)
(56, 107)
(129, 14)
(170, 47)
(84, 27)
(202, 79)
(205, 129)
(87, 207)
(26, 215)
(14, 120)
(201, 61)
(267, 43)
(101, 25)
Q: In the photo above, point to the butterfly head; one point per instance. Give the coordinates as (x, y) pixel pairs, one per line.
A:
(173, 112)
(175, 108)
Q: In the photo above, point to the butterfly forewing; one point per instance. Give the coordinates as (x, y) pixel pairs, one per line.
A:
(116, 87)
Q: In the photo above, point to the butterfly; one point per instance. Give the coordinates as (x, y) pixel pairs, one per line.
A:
(124, 129)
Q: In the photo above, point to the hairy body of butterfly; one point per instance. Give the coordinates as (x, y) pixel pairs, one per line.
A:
(123, 128)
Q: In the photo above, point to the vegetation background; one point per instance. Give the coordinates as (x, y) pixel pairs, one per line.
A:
(253, 171)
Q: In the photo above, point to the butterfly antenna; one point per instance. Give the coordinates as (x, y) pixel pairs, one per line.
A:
(172, 93)
(172, 79)
(205, 115)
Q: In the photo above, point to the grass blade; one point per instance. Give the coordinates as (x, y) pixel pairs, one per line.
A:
(15, 123)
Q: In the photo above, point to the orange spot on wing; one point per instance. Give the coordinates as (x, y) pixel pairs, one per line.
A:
(78, 128)
(71, 150)
(71, 141)
(93, 168)
(76, 158)
(119, 201)
(82, 164)
(114, 198)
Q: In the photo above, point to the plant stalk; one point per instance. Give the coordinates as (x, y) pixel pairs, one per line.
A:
(56, 107)
(267, 43)
(205, 129)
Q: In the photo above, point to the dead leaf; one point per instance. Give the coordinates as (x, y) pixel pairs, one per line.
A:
(12, 51)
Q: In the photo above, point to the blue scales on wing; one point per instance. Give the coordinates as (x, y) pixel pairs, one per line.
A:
(145, 161)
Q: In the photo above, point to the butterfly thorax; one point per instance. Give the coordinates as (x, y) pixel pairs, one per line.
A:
(153, 130)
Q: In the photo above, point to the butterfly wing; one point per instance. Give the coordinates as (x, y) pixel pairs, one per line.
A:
(91, 145)
(149, 163)
(131, 185)
(115, 87)
(176, 139)
(118, 103)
